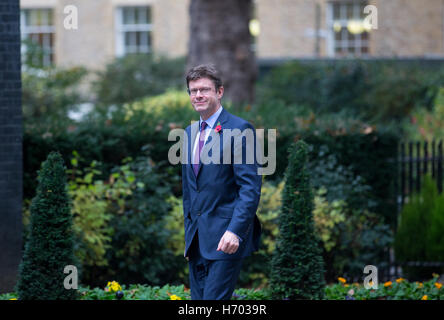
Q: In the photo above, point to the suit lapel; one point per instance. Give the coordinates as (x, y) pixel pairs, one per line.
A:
(222, 119)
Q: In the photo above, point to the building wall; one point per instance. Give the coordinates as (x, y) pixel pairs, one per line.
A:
(93, 44)
(409, 28)
(171, 27)
(278, 19)
(406, 28)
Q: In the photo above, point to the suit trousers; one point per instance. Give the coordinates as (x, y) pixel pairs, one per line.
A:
(211, 279)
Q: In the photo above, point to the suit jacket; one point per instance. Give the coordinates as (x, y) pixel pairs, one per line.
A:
(222, 196)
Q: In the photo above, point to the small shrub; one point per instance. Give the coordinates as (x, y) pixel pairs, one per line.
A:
(50, 245)
(297, 268)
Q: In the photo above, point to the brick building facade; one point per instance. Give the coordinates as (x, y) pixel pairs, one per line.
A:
(283, 29)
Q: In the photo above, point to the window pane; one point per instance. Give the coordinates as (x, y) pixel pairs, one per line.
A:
(137, 37)
(349, 11)
(50, 18)
(350, 36)
(347, 18)
(338, 35)
(136, 15)
(33, 18)
(144, 39)
(336, 13)
(144, 15)
(364, 36)
(130, 38)
(141, 16)
(38, 17)
(27, 17)
(361, 10)
(129, 15)
(357, 11)
(44, 18)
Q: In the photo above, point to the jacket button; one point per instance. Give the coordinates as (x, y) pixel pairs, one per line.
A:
(198, 213)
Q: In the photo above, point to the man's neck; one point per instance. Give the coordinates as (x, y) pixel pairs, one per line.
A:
(206, 116)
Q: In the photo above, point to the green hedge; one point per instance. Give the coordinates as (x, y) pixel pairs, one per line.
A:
(369, 156)
(375, 90)
(361, 173)
(134, 129)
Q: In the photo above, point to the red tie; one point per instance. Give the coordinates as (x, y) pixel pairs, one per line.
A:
(201, 143)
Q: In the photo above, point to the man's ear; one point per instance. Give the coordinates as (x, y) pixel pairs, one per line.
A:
(220, 92)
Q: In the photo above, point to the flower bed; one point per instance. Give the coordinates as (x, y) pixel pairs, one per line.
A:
(399, 289)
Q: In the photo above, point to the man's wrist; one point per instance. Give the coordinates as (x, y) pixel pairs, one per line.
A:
(239, 238)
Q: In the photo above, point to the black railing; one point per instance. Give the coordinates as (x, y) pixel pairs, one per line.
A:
(415, 160)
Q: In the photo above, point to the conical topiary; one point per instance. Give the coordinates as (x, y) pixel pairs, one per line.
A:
(49, 247)
(297, 268)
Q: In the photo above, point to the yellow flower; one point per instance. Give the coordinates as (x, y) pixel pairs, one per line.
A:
(399, 280)
(420, 285)
(13, 299)
(388, 284)
(424, 297)
(438, 285)
(342, 280)
(113, 287)
(174, 297)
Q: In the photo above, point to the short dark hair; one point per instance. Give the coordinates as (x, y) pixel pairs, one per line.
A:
(205, 71)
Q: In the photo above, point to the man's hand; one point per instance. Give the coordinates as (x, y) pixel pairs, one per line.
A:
(229, 243)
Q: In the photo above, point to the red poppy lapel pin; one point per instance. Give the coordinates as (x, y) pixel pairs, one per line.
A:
(218, 127)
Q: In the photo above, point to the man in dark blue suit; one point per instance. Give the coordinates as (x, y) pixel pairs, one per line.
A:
(221, 196)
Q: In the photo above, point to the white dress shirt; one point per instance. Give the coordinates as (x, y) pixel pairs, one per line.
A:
(211, 123)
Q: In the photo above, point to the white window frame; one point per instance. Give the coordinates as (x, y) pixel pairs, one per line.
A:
(47, 31)
(121, 29)
(343, 21)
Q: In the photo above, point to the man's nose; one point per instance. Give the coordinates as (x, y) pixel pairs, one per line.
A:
(198, 93)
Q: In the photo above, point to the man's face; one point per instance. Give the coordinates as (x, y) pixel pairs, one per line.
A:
(203, 95)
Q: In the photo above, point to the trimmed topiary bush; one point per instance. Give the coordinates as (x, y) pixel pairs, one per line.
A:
(297, 268)
(50, 245)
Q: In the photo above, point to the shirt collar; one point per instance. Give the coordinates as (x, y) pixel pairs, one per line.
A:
(211, 120)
